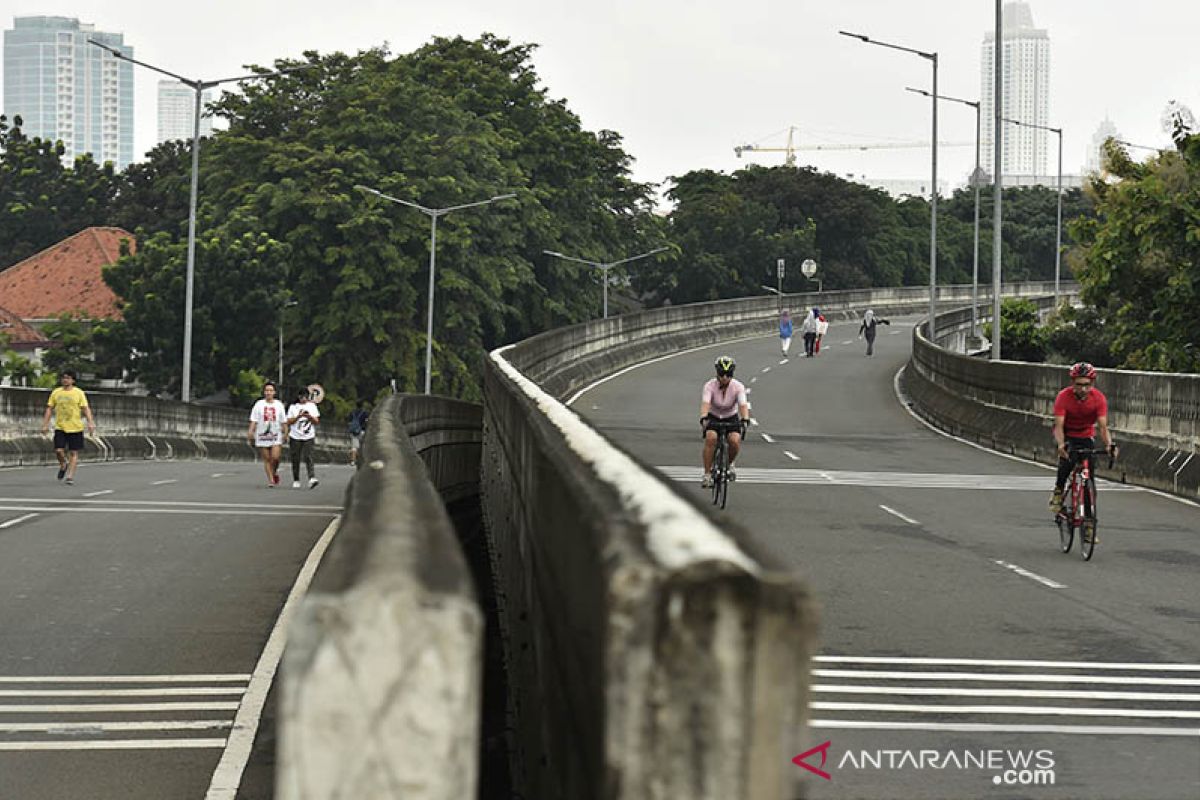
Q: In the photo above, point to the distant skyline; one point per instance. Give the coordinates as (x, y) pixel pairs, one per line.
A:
(684, 82)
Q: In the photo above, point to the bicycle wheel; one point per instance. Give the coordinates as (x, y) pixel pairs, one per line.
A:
(718, 471)
(1087, 529)
(722, 487)
(1066, 533)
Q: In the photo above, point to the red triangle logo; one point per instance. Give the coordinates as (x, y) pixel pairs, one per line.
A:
(823, 749)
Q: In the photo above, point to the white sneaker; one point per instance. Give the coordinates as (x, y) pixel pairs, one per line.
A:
(706, 481)
(295, 484)
(731, 474)
(312, 482)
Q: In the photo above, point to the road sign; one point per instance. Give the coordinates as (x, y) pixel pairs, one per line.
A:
(779, 268)
(809, 268)
(316, 393)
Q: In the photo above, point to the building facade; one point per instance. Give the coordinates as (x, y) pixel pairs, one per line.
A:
(1095, 153)
(176, 112)
(1024, 93)
(66, 89)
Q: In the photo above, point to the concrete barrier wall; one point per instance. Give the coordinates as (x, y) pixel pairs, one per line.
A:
(382, 677)
(652, 653)
(567, 359)
(1008, 405)
(129, 427)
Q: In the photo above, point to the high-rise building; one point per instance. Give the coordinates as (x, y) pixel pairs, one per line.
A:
(1024, 93)
(1095, 156)
(66, 89)
(176, 112)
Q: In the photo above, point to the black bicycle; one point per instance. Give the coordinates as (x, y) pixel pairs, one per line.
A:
(720, 462)
(1078, 512)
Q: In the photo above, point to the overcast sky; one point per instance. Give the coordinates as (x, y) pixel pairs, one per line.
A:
(684, 82)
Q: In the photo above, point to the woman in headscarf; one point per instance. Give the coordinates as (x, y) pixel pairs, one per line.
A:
(809, 329)
(867, 328)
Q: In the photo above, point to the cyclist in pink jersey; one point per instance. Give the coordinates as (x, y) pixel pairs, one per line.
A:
(1078, 411)
(723, 404)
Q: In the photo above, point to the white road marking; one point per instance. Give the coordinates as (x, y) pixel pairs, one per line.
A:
(162, 692)
(896, 513)
(92, 506)
(97, 494)
(905, 480)
(1031, 575)
(228, 774)
(897, 333)
(163, 483)
(1089, 665)
(791, 455)
(783, 361)
(1165, 697)
(117, 744)
(91, 728)
(766, 369)
(754, 421)
(235, 512)
(16, 521)
(1068, 711)
(983, 727)
(218, 475)
(997, 677)
(768, 438)
(219, 678)
(754, 379)
(131, 708)
(848, 342)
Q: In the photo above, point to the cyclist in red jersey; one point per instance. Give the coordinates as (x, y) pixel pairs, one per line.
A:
(1078, 411)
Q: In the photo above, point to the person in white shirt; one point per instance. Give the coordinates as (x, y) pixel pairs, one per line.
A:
(303, 417)
(268, 427)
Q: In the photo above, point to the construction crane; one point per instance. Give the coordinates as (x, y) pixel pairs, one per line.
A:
(792, 147)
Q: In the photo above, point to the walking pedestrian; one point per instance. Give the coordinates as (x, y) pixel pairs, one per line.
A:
(785, 331)
(303, 417)
(809, 329)
(822, 329)
(359, 418)
(68, 404)
(867, 329)
(268, 427)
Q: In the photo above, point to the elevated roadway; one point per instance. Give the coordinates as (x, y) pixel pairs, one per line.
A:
(950, 622)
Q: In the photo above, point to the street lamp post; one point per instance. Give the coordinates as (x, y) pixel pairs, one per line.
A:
(997, 176)
(434, 214)
(199, 86)
(976, 178)
(604, 266)
(1058, 226)
(933, 189)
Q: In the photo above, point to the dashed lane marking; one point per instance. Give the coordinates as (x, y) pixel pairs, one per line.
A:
(163, 483)
(791, 455)
(896, 513)
(1031, 575)
(97, 494)
(16, 521)
(905, 480)
(768, 438)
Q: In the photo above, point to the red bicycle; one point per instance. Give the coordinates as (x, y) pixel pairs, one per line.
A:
(1079, 507)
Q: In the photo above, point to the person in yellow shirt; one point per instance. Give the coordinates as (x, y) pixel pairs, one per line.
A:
(68, 404)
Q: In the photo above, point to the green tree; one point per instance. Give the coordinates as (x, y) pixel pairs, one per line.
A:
(75, 348)
(1022, 337)
(1139, 259)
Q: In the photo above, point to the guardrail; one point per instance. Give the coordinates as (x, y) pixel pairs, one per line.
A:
(382, 677)
(130, 427)
(1008, 406)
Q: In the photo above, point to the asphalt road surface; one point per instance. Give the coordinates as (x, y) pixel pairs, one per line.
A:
(134, 609)
(961, 653)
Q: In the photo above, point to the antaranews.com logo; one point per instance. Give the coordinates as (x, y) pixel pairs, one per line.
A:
(1006, 767)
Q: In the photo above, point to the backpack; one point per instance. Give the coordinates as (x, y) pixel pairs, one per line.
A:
(358, 422)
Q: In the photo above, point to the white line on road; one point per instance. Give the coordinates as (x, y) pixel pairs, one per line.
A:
(138, 509)
(783, 361)
(767, 436)
(219, 678)
(1032, 575)
(896, 513)
(132, 708)
(991, 662)
(791, 455)
(1058, 694)
(228, 775)
(86, 728)
(754, 422)
(754, 379)
(766, 369)
(163, 483)
(218, 475)
(1001, 677)
(100, 503)
(16, 521)
(97, 494)
(983, 727)
(1065, 711)
(849, 341)
(160, 692)
(118, 744)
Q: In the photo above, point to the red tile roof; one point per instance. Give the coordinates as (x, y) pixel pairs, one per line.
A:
(19, 334)
(65, 278)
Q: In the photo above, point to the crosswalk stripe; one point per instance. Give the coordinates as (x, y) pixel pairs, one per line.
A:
(161, 692)
(1002, 710)
(1089, 665)
(103, 708)
(1058, 694)
(118, 744)
(985, 727)
(84, 728)
(1002, 677)
(905, 480)
(220, 678)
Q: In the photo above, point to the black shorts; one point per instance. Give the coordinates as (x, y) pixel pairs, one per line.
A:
(731, 424)
(68, 441)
